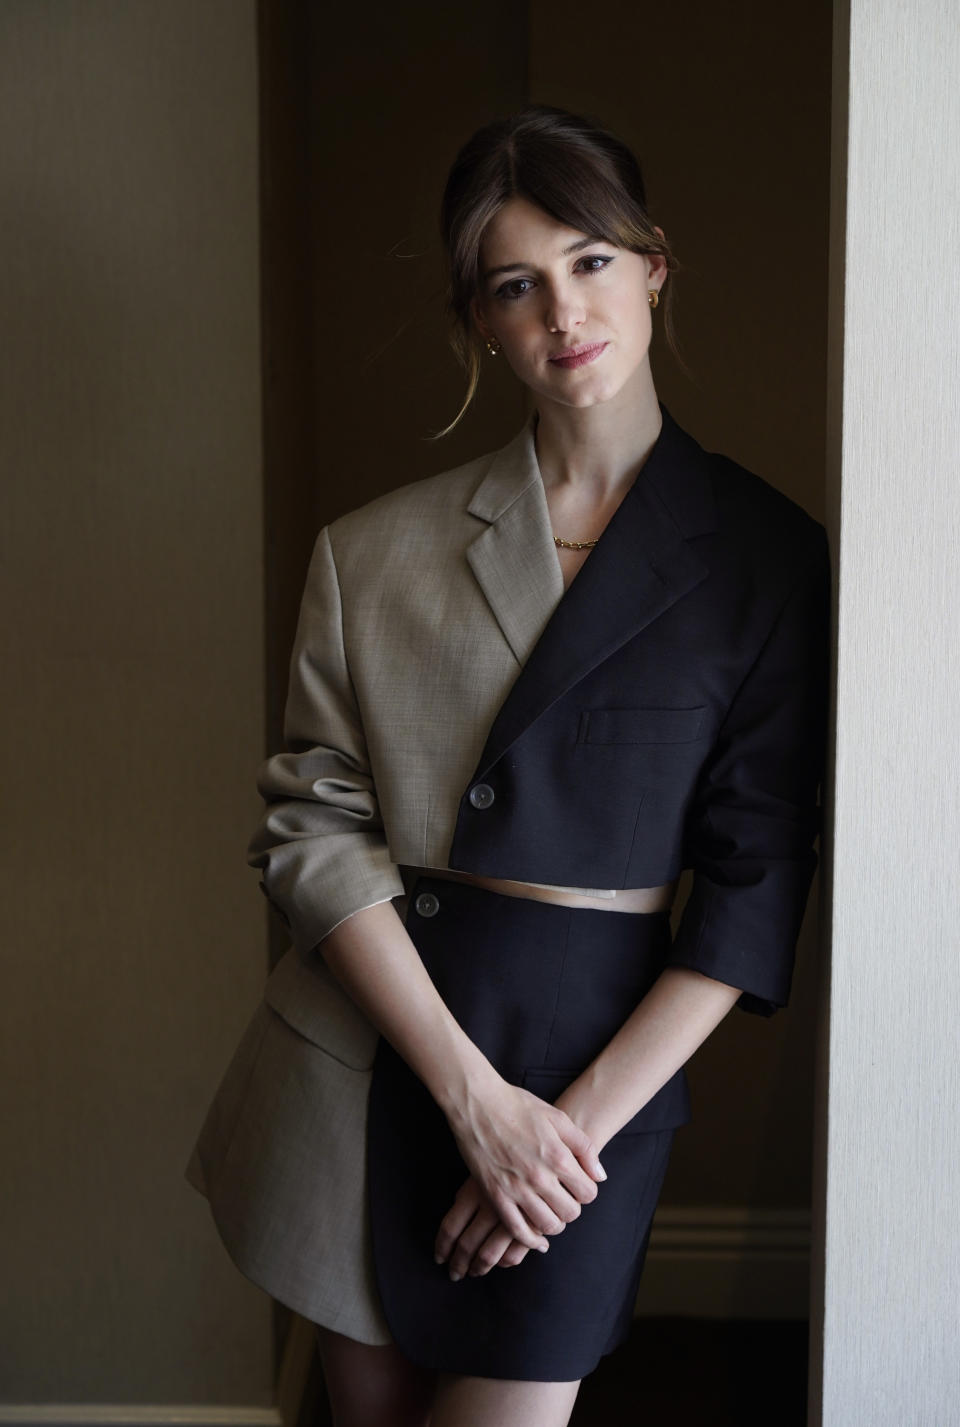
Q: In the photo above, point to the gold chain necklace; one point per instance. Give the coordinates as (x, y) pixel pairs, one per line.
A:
(574, 544)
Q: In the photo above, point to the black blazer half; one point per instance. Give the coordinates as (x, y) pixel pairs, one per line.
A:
(672, 714)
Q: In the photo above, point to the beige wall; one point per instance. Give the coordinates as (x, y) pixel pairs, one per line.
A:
(132, 708)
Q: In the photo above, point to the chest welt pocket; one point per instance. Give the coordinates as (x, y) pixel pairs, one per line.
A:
(624, 726)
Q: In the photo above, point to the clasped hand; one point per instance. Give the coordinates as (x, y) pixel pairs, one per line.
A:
(531, 1170)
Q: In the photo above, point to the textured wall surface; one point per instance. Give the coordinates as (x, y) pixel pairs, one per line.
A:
(892, 1264)
(133, 707)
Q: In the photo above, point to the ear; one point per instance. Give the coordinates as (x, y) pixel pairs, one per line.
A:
(657, 263)
(476, 312)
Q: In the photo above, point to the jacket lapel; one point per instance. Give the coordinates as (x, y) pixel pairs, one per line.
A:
(642, 565)
(513, 558)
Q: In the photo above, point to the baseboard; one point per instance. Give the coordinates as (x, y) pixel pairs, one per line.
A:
(727, 1263)
(294, 1368)
(110, 1414)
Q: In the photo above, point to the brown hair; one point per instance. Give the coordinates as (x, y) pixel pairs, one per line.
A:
(573, 169)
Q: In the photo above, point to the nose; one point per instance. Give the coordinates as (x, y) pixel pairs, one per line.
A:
(564, 308)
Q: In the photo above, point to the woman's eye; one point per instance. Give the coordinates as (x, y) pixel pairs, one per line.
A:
(510, 289)
(518, 287)
(597, 258)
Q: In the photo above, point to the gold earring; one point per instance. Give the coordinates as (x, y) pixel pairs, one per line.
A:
(653, 297)
(493, 346)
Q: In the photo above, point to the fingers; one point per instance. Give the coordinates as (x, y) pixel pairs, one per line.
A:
(531, 1164)
(491, 1252)
(513, 1255)
(550, 1207)
(484, 1245)
(470, 1220)
(454, 1222)
(565, 1175)
(526, 1219)
(480, 1247)
(482, 1242)
(473, 1238)
(588, 1161)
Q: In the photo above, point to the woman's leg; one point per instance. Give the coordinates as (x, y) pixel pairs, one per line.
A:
(492, 1402)
(373, 1386)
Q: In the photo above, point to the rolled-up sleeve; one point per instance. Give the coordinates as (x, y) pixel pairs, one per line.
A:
(321, 843)
(755, 815)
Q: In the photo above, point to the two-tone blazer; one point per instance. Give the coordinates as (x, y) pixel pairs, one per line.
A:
(450, 705)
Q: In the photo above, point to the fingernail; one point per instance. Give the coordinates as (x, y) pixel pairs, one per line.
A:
(603, 1172)
(455, 1277)
(438, 1258)
(542, 1248)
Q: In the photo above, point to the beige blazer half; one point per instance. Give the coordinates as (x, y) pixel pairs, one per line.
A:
(385, 720)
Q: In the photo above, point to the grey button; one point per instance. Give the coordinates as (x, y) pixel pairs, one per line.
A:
(427, 904)
(481, 795)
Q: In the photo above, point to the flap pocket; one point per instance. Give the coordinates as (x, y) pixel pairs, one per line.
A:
(640, 725)
(312, 1001)
(666, 1110)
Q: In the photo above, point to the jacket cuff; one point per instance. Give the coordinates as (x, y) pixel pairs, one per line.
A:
(310, 908)
(745, 935)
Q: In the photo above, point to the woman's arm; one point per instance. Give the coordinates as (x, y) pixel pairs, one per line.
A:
(676, 1016)
(327, 870)
(533, 1163)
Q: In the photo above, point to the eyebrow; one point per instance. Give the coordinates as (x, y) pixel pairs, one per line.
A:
(516, 267)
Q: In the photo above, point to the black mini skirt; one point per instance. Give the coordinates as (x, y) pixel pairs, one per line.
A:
(541, 989)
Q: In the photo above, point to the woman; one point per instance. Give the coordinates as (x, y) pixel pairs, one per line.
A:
(524, 695)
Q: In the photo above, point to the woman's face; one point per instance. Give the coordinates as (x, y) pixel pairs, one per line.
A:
(547, 291)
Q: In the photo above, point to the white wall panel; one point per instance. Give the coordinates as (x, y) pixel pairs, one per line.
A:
(892, 1255)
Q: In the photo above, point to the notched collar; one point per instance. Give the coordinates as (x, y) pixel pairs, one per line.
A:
(642, 565)
(513, 557)
(512, 471)
(678, 472)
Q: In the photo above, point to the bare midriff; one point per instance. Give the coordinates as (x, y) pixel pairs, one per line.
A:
(630, 899)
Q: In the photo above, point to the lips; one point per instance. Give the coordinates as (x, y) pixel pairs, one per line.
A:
(579, 356)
